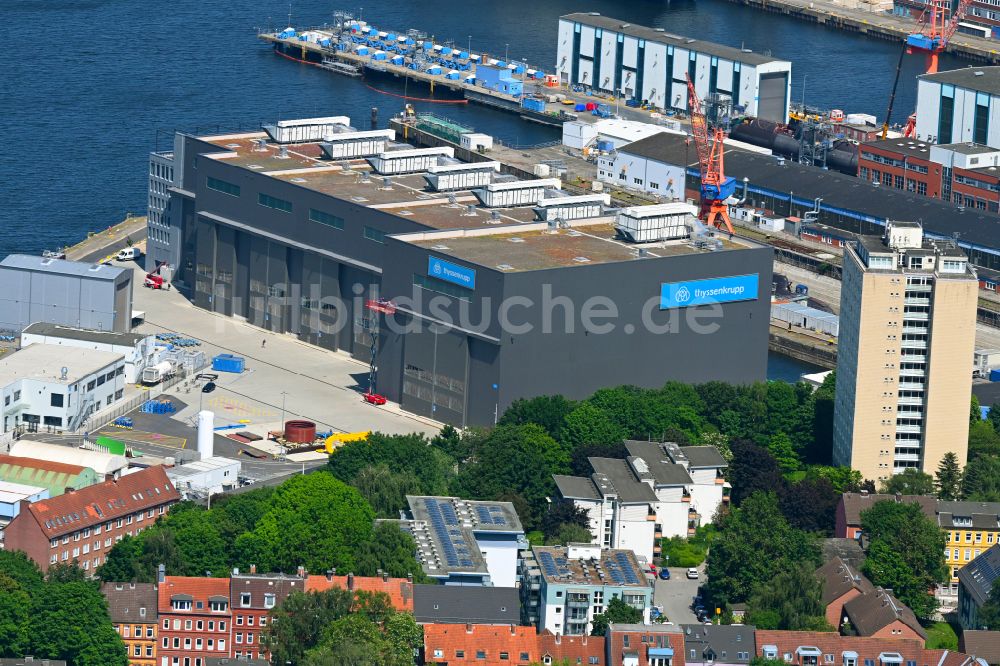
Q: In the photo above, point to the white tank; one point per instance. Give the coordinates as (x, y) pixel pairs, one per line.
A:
(206, 434)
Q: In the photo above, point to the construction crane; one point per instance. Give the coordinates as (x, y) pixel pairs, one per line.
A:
(715, 186)
(932, 39)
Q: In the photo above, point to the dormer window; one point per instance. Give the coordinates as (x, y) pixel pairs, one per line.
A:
(244, 599)
(180, 604)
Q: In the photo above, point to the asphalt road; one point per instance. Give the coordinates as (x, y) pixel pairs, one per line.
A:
(674, 596)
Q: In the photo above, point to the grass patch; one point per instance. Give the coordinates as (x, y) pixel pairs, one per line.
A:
(941, 636)
(681, 552)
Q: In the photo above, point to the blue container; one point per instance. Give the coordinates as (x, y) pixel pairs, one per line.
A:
(802, 289)
(397, 60)
(228, 363)
(533, 104)
(995, 375)
(606, 146)
(580, 107)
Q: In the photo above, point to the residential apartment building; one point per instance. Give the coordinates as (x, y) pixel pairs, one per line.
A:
(564, 587)
(718, 645)
(132, 607)
(841, 583)
(659, 490)
(487, 645)
(816, 648)
(881, 615)
(975, 582)
(195, 619)
(972, 528)
(468, 604)
(907, 332)
(466, 542)
(83, 525)
(851, 505)
(252, 597)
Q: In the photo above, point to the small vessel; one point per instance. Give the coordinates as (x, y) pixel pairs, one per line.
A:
(338, 67)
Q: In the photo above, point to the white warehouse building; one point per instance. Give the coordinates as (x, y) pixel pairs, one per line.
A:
(960, 106)
(50, 386)
(208, 476)
(650, 64)
(137, 349)
(659, 490)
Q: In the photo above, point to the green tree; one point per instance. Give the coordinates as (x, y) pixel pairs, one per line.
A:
(70, 621)
(547, 411)
(810, 505)
(391, 550)
(822, 421)
(983, 439)
(313, 520)
(589, 426)
(792, 600)
(843, 479)
(988, 615)
(753, 544)
(948, 480)
(386, 490)
(905, 553)
(975, 412)
(981, 482)
(617, 611)
(401, 453)
(910, 481)
(358, 640)
(515, 460)
(569, 533)
(753, 469)
(764, 661)
(297, 623)
(15, 614)
(780, 446)
(993, 417)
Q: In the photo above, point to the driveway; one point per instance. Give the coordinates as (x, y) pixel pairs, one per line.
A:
(675, 596)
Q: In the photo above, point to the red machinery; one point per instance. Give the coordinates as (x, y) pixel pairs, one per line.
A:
(375, 306)
(153, 281)
(715, 186)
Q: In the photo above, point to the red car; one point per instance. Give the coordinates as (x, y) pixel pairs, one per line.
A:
(374, 398)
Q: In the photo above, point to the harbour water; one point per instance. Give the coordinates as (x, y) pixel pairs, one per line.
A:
(105, 81)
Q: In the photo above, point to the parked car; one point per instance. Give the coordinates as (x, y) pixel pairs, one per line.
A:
(692, 574)
(128, 254)
(664, 574)
(208, 388)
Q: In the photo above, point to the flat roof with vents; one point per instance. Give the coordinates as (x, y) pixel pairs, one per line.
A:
(613, 568)
(536, 247)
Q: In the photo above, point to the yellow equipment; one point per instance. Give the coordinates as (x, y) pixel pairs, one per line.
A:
(337, 439)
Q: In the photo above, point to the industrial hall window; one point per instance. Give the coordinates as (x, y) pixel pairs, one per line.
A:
(268, 201)
(326, 218)
(223, 186)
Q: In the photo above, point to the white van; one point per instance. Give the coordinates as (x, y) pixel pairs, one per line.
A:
(128, 254)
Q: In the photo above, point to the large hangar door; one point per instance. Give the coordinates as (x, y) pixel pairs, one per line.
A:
(773, 93)
(435, 368)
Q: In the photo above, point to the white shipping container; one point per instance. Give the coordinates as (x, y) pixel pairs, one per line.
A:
(305, 129)
(541, 170)
(461, 176)
(408, 161)
(477, 141)
(357, 144)
(517, 193)
(805, 317)
(572, 208)
(650, 224)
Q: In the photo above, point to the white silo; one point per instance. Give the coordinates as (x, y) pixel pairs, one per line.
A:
(206, 434)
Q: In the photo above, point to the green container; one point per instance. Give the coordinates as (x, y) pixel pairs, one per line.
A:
(113, 446)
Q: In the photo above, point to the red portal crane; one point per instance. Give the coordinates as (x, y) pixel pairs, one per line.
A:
(715, 186)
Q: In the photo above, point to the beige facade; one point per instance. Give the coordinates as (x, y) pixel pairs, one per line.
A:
(907, 333)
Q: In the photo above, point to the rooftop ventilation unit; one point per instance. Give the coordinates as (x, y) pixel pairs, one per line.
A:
(516, 193)
(386, 183)
(409, 161)
(305, 130)
(351, 145)
(260, 145)
(282, 152)
(460, 176)
(470, 211)
(650, 224)
(572, 208)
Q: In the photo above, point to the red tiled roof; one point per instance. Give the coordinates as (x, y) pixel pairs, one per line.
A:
(103, 501)
(573, 649)
(636, 644)
(400, 590)
(34, 463)
(442, 642)
(866, 647)
(199, 589)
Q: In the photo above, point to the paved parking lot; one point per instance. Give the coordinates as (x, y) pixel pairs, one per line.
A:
(310, 383)
(675, 596)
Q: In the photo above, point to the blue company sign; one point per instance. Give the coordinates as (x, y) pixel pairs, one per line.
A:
(712, 290)
(449, 272)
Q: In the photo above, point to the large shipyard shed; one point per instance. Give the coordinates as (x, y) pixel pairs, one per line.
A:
(299, 241)
(652, 65)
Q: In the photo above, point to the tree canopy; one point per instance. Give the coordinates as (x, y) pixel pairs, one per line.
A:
(617, 611)
(792, 600)
(908, 482)
(905, 553)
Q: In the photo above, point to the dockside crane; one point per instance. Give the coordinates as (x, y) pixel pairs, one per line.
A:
(715, 186)
(932, 39)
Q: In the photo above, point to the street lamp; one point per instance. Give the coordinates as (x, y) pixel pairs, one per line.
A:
(506, 52)
(284, 394)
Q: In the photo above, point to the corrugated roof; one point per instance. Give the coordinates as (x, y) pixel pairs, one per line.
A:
(100, 462)
(102, 502)
(54, 476)
(62, 267)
